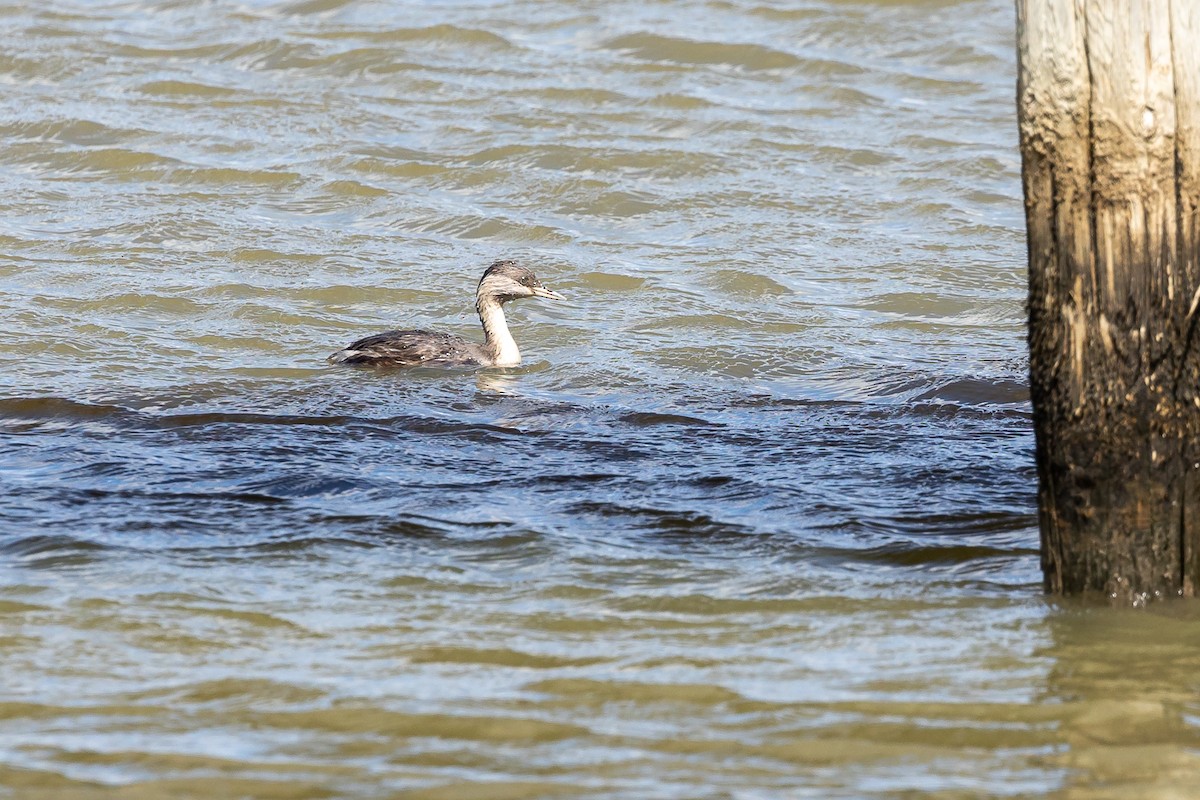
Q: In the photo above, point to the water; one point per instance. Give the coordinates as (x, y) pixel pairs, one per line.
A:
(754, 519)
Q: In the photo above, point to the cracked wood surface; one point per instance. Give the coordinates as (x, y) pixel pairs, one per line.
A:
(1109, 115)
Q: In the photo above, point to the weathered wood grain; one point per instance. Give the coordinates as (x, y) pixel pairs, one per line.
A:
(1108, 124)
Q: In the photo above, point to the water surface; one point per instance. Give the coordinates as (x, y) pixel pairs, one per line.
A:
(754, 519)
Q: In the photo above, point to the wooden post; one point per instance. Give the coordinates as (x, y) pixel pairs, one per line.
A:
(1108, 101)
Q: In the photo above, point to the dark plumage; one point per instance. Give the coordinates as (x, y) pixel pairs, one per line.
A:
(501, 282)
(410, 348)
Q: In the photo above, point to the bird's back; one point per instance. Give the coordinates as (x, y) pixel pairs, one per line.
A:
(412, 348)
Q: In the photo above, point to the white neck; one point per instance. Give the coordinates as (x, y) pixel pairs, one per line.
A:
(496, 338)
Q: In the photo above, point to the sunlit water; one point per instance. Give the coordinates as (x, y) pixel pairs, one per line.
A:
(754, 519)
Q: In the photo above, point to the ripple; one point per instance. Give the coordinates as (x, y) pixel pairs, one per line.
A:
(650, 418)
(377, 721)
(654, 47)
(224, 177)
(496, 657)
(665, 522)
(612, 282)
(52, 552)
(908, 556)
(171, 88)
(120, 162)
(979, 391)
(438, 34)
(81, 132)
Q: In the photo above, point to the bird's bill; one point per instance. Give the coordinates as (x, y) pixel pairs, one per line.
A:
(542, 291)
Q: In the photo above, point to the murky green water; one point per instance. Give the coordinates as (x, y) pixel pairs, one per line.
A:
(754, 519)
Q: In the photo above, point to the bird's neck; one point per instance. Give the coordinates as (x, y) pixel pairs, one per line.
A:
(496, 338)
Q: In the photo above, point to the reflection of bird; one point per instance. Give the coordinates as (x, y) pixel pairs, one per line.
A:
(503, 281)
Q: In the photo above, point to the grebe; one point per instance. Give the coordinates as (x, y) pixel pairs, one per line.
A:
(501, 282)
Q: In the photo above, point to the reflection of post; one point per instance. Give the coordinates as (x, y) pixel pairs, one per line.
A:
(1116, 702)
(1109, 110)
